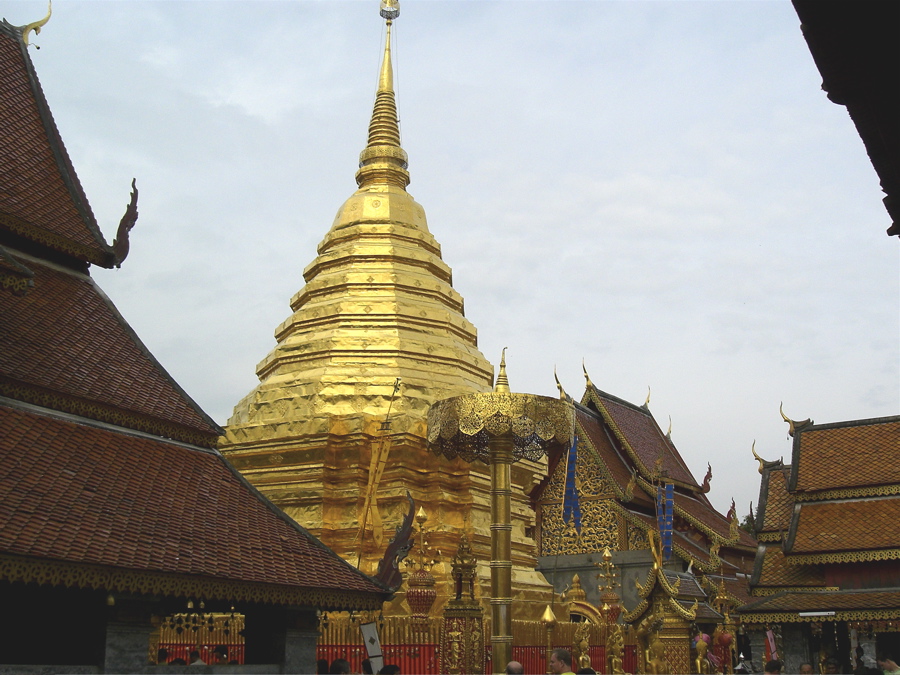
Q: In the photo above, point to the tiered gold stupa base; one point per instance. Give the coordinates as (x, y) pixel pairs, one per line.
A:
(319, 479)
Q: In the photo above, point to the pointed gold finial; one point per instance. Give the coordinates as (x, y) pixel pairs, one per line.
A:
(383, 161)
(647, 402)
(563, 396)
(37, 25)
(587, 378)
(759, 459)
(669, 432)
(792, 424)
(548, 618)
(502, 386)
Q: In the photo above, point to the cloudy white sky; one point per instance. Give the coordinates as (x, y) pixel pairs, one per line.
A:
(658, 188)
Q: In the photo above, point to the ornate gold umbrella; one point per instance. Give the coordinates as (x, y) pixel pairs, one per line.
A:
(498, 428)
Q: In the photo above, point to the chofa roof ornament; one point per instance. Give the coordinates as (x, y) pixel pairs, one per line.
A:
(36, 26)
(792, 424)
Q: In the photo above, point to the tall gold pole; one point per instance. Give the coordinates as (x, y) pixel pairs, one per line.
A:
(549, 621)
(501, 458)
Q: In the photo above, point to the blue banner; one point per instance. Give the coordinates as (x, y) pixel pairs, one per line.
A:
(571, 508)
(665, 498)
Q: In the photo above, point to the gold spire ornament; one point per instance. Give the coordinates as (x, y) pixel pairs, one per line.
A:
(383, 161)
(502, 386)
(36, 26)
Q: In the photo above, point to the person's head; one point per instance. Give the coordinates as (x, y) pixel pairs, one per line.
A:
(162, 655)
(194, 655)
(322, 667)
(389, 669)
(560, 661)
(806, 669)
(773, 666)
(339, 667)
(221, 653)
(514, 668)
(832, 666)
(366, 667)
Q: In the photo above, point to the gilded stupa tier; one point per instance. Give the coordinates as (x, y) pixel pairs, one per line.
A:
(378, 305)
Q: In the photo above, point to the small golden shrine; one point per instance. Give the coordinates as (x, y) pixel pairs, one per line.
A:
(662, 620)
(462, 627)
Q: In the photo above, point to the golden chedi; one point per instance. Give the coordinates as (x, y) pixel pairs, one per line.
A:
(376, 336)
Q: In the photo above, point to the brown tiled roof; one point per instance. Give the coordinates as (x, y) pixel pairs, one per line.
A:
(775, 502)
(65, 346)
(40, 195)
(92, 495)
(688, 587)
(645, 437)
(829, 601)
(704, 612)
(738, 588)
(771, 570)
(845, 525)
(699, 507)
(847, 455)
(616, 465)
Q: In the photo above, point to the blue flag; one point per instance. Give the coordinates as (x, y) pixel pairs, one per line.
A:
(665, 498)
(571, 509)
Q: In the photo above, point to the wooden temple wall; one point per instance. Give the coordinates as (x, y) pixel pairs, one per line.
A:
(414, 647)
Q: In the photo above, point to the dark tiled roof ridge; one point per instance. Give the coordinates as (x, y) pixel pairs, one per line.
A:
(74, 418)
(214, 427)
(104, 255)
(848, 423)
(202, 478)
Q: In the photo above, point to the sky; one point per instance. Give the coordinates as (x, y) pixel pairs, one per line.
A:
(659, 190)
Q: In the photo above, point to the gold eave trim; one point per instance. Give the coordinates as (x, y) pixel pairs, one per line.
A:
(15, 284)
(699, 524)
(846, 557)
(104, 413)
(769, 536)
(844, 615)
(46, 572)
(764, 592)
(56, 241)
(848, 493)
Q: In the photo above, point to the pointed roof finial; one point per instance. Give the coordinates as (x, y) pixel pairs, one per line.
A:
(647, 402)
(37, 25)
(563, 396)
(762, 462)
(669, 432)
(587, 378)
(793, 425)
(383, 161)
(502, 386)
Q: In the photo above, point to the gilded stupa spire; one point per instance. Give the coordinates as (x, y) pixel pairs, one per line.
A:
(383, 161)
(502, 386)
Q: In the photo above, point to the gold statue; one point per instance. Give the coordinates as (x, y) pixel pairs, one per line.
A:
(656, 652)
(701, 662)
(615, 648)
(582, 645)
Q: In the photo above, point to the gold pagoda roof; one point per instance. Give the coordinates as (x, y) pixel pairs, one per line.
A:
(378, 305)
